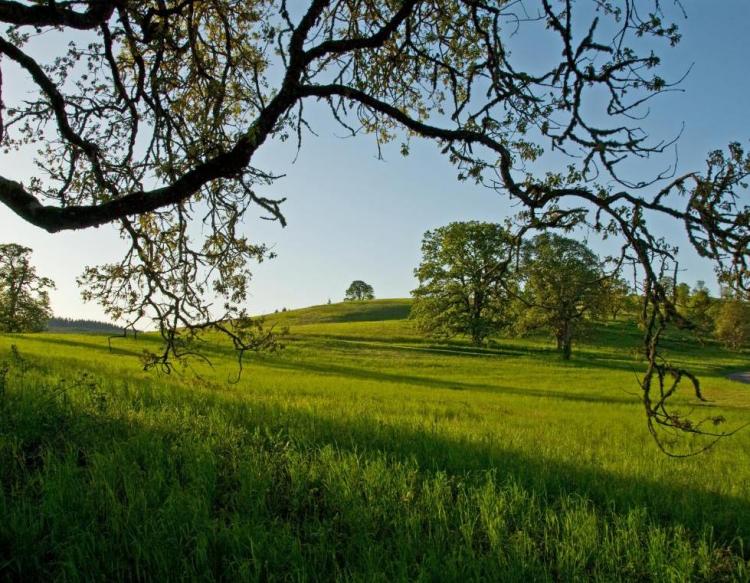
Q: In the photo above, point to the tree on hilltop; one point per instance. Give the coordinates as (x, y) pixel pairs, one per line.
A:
(359, 290)
(24, 295)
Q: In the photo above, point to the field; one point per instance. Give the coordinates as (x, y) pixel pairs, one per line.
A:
(364, 452)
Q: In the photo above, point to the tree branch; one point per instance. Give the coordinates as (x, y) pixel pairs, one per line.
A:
(52, 14)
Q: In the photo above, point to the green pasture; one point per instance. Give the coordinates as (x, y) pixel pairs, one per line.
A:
(365, 452)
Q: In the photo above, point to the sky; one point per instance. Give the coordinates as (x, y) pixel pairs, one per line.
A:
(353, 216)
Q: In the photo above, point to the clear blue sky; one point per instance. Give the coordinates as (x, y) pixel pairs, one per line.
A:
(352, 216)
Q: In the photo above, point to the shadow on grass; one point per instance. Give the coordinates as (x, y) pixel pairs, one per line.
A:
(346, 312)
(359, 373)
(187, 480)
(99, 344)
(582, 359)
(304, 430)
(433, 383)
(586, 356)
(547, 478)
(401, 344)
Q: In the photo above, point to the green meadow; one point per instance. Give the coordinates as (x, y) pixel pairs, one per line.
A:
(364, 452)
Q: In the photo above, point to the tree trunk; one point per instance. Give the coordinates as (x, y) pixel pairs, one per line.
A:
(567, 348)
(564, 338)
(476, 319)
(14, 293)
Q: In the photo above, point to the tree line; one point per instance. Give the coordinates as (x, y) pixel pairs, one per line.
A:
(478, 279)
(475, 279)
(81, 325)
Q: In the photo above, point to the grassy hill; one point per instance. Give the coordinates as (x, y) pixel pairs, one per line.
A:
(363, 452)
(366, 311)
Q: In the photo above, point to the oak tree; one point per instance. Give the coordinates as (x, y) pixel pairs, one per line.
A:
(700, 311)
(24, 294)
(617, 295)
(732, 327)
(153, 115)
(682, 293)
(463, 278)
(562, 285)
(359, 290)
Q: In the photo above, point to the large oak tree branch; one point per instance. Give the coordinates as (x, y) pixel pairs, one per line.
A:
(421, 128)
(52, 14)
(348, 45)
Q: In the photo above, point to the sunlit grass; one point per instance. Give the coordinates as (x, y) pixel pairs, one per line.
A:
(363, 451)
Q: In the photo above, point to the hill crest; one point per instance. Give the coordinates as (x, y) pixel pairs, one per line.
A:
(355, 311)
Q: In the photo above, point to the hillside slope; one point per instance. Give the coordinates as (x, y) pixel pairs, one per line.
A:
(357, 311)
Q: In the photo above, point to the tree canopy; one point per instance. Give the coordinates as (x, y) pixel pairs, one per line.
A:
(24, 295)
(732, 326)
(463, 275)
(700, 310)
(359, 290)
(562, 283)
(153, 116)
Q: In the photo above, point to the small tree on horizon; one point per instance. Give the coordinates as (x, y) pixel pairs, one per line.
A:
(358, 290)
(24, 296)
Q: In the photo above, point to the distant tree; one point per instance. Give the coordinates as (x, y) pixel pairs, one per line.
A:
(463, 281)
(82, 325)
(733, 323)
(700, 309)
(726, 292)
(617, 295)
(562, 284)
(668, 284)
(24, 297)
(682, 295)
(359, 290)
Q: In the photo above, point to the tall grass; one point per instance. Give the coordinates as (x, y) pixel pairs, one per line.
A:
(362, 452)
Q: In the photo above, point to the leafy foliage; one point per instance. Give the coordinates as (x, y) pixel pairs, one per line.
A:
(358, 290)
(463, 278)
(700, 310)
(562, 283)
(618, 295)
(24, 296)
(733, 323)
